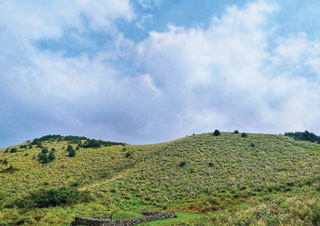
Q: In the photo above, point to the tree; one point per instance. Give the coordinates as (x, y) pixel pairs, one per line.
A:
(13, 150)
(51, 157)
(70, 148)
(216, 133)
(244, 135)
(72, 153)
(43, 158)
(44, 150)
(236, 132)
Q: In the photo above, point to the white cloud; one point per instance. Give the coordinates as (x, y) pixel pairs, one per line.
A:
(181, 81)
(150, 4)
(222, 73)
(140, 23)
(48, 19)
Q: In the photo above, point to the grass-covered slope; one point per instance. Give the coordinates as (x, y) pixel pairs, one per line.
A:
(226, 179)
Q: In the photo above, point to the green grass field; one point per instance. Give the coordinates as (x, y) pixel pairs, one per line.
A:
(205, 179)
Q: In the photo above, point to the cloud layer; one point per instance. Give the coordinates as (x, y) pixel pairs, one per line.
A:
(173, 83)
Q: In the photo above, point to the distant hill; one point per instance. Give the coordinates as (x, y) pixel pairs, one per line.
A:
(229, 179)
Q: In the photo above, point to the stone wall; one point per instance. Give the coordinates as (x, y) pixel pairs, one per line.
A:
(98, 221)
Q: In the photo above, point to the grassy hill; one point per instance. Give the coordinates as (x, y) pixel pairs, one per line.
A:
(206, 179)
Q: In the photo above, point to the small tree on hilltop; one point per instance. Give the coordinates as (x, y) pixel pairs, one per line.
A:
(236, 132)
(216, 133)
(244, 135)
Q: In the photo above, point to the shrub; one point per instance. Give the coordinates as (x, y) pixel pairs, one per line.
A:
(92, 144)
(72, 153)
(216, 133)
(252, 145)
(5, 162)
(44, 150)
(51, 157)
(69, 148)
(53, 149)
(128, 154)
(183, 163)
(236, 132)
(13, 150)
(6, 151)
(43, 158)
(53, 197)
(211, 164)
(244, 135)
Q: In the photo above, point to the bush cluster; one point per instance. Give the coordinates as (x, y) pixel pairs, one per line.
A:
(13, 150)
(244, 135)
(53, 197)
(306, 135)
(71, 151)
(43, 156)
(89, 143)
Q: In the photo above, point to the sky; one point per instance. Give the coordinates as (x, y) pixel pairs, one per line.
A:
(148, 71)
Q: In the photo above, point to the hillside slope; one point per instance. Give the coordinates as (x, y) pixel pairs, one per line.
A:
(227, 179)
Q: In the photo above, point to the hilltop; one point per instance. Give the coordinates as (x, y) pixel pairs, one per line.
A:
(208, 180)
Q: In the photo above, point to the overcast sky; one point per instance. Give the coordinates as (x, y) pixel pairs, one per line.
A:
(146, 71)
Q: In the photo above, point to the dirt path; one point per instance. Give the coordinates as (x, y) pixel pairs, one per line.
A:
(101, 182)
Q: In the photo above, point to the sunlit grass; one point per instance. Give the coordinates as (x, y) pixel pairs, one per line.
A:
(226, 179)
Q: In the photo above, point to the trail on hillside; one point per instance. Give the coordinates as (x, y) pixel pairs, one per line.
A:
(101, 182)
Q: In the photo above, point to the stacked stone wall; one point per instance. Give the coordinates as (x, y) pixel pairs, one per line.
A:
(99, 221)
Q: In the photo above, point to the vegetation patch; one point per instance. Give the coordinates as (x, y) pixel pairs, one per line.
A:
(226, 180)
(52, 197)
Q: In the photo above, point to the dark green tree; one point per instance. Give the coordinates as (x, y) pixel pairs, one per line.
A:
(44, 150)
(72, 153)
(216, 133)
(51, 157)
(70, 148)
(43, 158)
(244, 135)
(13, 150)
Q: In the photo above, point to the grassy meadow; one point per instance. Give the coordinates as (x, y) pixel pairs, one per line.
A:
(207, 180)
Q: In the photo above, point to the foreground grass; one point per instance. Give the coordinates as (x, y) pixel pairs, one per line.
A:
(181, 219)
(225, 180)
